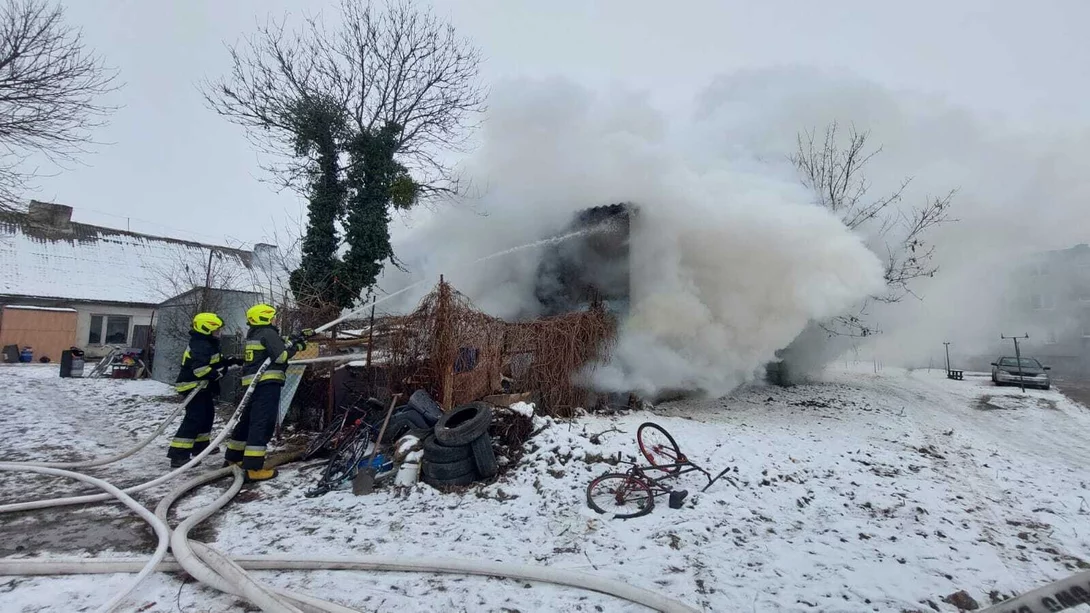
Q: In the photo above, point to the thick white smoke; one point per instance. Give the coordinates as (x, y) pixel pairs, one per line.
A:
(728, 263)
(1021, 189)
(722, 281)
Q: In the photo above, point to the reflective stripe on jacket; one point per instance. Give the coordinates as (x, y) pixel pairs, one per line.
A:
(199, 363)
(265, 342)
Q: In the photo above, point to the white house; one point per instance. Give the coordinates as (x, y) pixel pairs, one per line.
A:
(113, 279)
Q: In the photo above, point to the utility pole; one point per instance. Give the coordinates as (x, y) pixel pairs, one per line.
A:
(1018, 357)
(947, 343)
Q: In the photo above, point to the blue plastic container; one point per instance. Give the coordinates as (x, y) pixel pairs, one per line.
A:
(26, 354)
(380, 464)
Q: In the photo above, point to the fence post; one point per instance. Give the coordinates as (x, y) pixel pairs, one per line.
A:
(444, 361)
(330, 390)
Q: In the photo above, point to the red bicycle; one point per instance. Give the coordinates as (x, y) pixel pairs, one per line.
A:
(632, 493)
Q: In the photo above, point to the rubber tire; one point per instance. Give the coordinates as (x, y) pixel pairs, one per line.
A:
(405, 419)
(434, 451)
(462, 481)
(446, 471)
(428, 408)
(483, 457)
(469, 422)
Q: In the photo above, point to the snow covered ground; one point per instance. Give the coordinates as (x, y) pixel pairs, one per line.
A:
(865, 492)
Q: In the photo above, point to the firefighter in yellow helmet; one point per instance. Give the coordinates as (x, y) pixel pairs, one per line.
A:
(258, 420)
(202, 367)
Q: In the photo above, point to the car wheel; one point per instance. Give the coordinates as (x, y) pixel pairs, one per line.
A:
(464, 424)
(434, 451)
(447, 471)
(461, 481)
(484, 457)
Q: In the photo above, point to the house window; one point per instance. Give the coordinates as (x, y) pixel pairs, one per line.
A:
(108, 330)
(117, 329)
(1044, 302)
(94, 337)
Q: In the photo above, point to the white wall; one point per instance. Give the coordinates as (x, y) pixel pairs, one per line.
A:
(138, 316)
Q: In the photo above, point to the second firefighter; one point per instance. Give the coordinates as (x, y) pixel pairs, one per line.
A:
(255, 427)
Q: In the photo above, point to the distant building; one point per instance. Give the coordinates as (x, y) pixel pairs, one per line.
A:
(110, 282)
(1050, 301)
(174, 321)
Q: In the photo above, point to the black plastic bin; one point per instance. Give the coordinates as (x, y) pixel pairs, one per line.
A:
(72, 363)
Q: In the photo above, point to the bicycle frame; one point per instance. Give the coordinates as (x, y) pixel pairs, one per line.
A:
(672, 471)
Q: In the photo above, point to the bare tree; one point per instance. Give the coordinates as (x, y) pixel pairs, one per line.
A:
(50, 87)
(397, 65)
(835, 171)
(192, 281)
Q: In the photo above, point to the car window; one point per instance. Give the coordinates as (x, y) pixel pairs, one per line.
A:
(1026, 362)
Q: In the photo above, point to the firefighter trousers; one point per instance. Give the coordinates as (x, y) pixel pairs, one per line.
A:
(196, 428)
(255, 427)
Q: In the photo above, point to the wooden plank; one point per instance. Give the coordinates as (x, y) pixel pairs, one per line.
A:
(506, 400)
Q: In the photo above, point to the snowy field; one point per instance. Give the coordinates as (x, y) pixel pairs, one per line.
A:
(865, 492)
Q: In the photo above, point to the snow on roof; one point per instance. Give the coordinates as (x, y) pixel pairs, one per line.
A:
(82, 262)
(23, 307)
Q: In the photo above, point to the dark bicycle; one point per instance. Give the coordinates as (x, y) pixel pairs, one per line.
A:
(348, 442)
(632, 493)
(340, 426)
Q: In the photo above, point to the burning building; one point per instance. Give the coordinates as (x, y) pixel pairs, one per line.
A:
(590, 267)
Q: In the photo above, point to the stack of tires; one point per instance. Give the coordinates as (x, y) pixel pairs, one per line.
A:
(459, 451)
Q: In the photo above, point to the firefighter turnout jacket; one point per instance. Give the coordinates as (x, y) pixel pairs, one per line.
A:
(200, 362)
(265, 342)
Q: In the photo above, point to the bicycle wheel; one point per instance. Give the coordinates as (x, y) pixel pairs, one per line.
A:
(323, 438)
(345, 461)
(622, 496)
(659, 447)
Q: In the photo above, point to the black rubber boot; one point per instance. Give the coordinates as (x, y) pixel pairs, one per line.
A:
(677, 498)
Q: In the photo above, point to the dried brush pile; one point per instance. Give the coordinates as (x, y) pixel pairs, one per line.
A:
(509, 431)
(445, 343)
(546, 354)
(459, 354)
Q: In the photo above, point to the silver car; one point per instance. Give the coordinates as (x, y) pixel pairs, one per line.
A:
(1008, 371)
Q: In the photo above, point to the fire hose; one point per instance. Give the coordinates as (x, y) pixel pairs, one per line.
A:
(161, 529)
(124, 454)
(227, 574)
(215, 443)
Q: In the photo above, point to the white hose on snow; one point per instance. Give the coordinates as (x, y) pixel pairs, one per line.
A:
(60, 502)
(186, 559)
(1056, 596)
(124, 454)
(161, 529)
(208, 565)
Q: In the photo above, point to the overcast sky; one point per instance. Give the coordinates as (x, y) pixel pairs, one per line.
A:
(173, 167)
